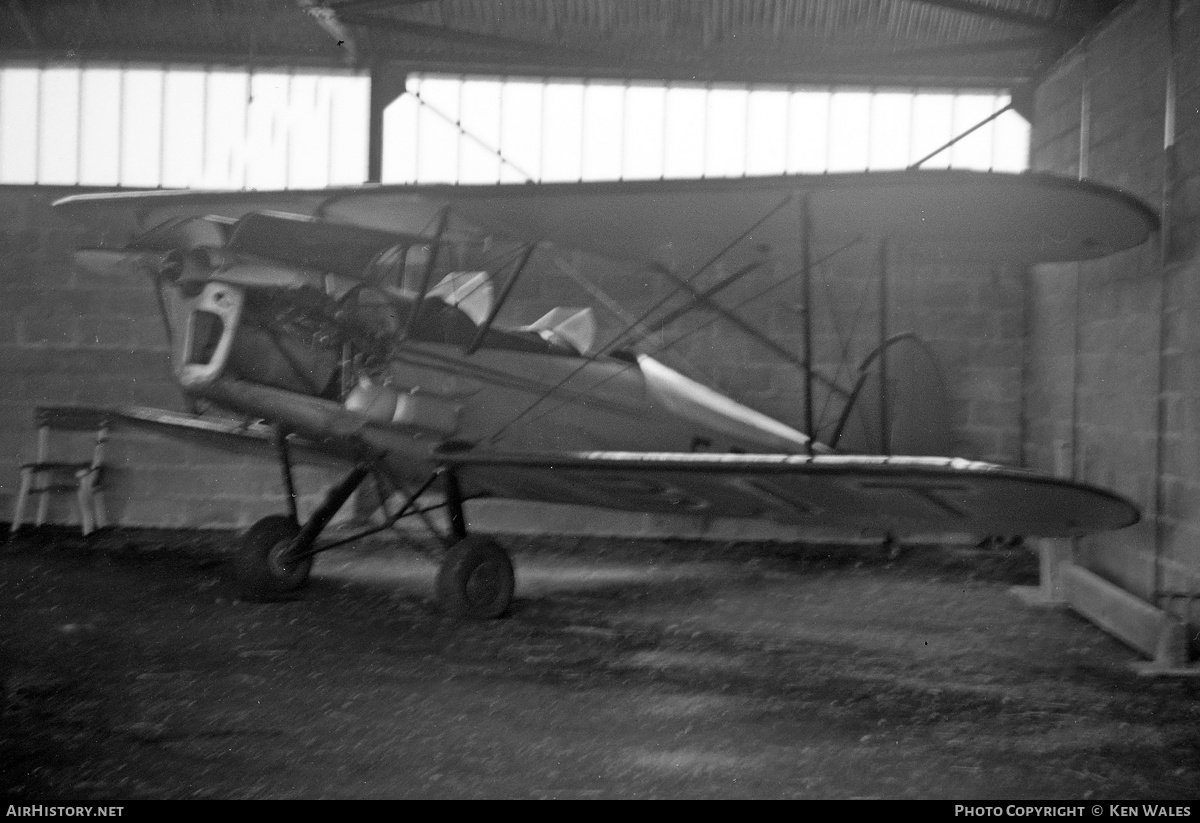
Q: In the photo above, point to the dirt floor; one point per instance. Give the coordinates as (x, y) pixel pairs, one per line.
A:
(625, 670)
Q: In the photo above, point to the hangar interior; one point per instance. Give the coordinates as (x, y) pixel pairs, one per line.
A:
(1082, 370)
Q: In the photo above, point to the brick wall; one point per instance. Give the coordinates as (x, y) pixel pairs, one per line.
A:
(1112, 388)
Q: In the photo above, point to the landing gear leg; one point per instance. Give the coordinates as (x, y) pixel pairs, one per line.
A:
(275, 554)
(476, 577)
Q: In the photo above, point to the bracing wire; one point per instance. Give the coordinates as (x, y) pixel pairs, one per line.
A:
(457, 124)
(499, 432)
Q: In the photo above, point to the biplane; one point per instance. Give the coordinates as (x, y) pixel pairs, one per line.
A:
(363, 322)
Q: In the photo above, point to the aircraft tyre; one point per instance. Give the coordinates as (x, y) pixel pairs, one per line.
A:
(259, 569)
(476, 579)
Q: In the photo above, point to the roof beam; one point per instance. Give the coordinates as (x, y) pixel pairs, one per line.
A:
(1021, 18)
(328, 21)
(968, 49)
(18, 9)
(487, 41)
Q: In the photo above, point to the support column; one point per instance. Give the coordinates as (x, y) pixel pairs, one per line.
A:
(885, 411)
(387, 84)
(806, 319)
(1054, 555)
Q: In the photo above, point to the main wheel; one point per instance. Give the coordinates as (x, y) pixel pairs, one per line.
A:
(261, 570)
(476, 579)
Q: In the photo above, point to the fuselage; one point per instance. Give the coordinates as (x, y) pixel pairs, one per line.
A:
(325, 370)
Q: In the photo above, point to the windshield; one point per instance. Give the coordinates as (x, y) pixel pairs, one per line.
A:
(384, 316)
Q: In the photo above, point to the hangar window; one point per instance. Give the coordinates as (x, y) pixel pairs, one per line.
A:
(181, 126)
(481, 130)
(219, 127)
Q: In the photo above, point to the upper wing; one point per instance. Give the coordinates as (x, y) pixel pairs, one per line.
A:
(1018, 218)
(894, 494)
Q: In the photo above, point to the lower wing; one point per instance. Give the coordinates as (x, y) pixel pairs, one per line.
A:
(227, 434)
(894, 494)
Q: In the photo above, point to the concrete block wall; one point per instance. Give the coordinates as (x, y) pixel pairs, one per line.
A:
(69, 337)
(1179, 506)
(973, 317)
(1112, 373)
(970, 314)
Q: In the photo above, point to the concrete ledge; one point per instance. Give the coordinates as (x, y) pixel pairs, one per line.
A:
(1053, 557)
(1151, 631)
(1036, 597)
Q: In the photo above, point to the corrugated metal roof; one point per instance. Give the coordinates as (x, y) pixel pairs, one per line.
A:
(208, 30)
(875, 42)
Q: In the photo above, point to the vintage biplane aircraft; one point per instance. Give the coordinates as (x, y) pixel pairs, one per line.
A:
(360, 322)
